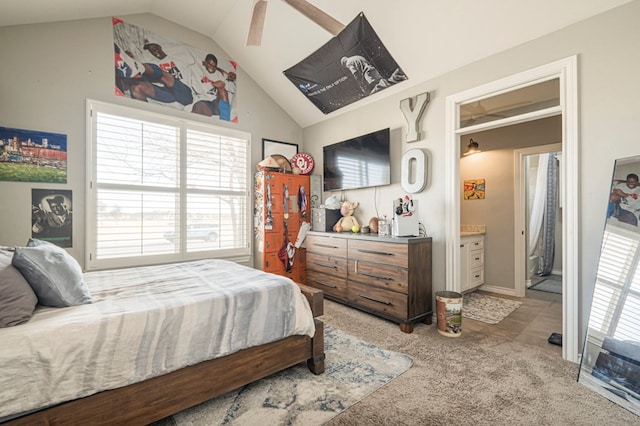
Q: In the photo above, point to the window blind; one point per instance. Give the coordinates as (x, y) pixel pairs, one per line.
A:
(615, 309)
(163, 189)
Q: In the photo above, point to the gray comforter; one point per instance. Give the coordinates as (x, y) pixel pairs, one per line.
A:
(144, 322)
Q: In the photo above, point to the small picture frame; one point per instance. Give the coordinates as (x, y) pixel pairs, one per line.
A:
(271, 147)
(474, 189)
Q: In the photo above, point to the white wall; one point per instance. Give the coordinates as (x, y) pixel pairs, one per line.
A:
(606, 46)
(49, 70)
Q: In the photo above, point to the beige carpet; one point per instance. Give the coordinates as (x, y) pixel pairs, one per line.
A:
(474, 379)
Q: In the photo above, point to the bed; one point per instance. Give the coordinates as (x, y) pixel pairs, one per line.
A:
(155, 341)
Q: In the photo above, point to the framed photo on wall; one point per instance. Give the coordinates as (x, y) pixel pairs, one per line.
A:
(271, 147)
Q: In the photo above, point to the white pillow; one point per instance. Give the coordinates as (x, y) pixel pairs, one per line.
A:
(53, 274)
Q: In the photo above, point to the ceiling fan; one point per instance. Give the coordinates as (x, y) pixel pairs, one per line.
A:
(254, 38)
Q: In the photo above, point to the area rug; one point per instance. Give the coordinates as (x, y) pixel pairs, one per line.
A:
(548, 285)
(354, 369)
(489, 309)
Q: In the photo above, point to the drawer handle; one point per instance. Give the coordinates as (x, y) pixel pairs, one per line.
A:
(476, 244)
(477, 258)
(384, 302)
(476, 276)
(326, 265)
(375, 252)
(376, 276)
(326, 285)
(326, 245)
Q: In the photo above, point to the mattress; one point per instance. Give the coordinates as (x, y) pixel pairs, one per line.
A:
(144, 322)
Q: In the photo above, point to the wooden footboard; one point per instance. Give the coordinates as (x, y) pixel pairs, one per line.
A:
(159, 397)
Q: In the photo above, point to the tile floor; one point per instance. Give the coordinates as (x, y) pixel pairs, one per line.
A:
(532, 323)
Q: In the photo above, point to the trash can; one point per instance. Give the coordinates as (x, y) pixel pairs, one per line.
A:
(449, 313)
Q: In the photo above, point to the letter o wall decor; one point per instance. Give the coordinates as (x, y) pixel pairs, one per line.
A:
(414, 164)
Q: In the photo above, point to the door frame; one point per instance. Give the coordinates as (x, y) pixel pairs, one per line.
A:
(567, 73)
(520, 210)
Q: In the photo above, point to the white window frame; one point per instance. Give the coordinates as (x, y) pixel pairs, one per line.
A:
(241, 255)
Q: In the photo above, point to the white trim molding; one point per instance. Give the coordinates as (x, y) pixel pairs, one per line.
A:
(566, 71)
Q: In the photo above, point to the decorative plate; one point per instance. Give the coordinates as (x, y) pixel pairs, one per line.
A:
(304, 162)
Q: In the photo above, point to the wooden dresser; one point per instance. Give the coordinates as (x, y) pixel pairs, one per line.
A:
(279, 214)
(388, 277)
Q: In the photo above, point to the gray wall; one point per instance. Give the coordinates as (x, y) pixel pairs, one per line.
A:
(609, 105)
(49, 70)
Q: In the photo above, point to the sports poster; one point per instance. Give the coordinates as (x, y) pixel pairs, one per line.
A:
(52, 216)
(155, 69)
(351, 66)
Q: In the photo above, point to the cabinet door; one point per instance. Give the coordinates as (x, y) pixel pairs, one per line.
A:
(464, 266)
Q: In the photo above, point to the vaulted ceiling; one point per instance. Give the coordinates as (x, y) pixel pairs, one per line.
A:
(427, 38)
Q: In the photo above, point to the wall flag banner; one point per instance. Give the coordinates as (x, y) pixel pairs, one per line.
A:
(351, 66)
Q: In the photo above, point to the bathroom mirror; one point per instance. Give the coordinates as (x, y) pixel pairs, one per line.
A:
(610, 363)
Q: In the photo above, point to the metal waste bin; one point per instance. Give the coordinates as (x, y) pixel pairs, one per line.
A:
(449, 313)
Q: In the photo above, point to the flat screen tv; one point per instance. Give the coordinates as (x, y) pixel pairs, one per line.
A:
(359, 162)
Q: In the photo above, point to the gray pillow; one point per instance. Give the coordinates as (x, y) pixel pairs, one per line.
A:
(17, 299)
(52, 273)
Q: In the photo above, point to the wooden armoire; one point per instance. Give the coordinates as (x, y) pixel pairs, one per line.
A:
(281, 206)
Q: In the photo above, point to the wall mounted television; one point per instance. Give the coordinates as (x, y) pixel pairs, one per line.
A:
(359, 162)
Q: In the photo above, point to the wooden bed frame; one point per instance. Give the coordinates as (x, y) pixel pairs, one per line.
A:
(156, 398)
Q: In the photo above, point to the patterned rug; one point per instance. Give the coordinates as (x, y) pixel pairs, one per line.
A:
(354, 369)
(489, 309)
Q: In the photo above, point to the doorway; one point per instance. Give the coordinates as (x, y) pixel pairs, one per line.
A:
(566, 71)
(537, 266)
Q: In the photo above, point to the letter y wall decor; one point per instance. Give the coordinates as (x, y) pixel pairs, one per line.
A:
(414, 161)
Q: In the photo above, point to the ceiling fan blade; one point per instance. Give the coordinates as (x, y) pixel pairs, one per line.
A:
(254, 38)
(316, 15)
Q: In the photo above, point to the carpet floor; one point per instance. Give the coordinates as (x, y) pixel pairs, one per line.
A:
(354, 369)
(548, 285)
(475, 379)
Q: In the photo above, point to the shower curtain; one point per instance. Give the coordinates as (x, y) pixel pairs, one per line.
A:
(543, 213)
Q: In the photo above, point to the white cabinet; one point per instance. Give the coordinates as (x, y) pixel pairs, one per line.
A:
(471, 262)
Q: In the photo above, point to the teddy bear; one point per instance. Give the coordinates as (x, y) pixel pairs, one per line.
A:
(348, 220)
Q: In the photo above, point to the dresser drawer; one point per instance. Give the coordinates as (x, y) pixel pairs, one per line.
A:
(375, 274)
(475, 243)
(378, 252)
(476, 277)
(327, 245)
(476, 259)
(330, 284)
(327, 264)
(381, 300)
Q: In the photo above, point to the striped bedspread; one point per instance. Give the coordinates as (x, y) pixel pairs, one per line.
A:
(144, 322)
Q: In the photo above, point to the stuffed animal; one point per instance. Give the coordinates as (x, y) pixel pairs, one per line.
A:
(348, 220)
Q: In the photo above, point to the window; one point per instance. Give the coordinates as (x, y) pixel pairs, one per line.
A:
(162, 189)
(615, 310)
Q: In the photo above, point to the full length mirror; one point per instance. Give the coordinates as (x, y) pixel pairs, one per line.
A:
(611, 356)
